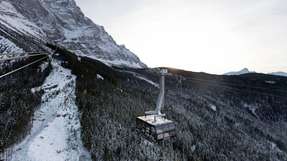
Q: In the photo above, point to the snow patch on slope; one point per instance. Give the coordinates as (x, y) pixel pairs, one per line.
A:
(119, 62)
(77, 32)
(213, 107)
(55, 135)
(12, 19)
(6, 46)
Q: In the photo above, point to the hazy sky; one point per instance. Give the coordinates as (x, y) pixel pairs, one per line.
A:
(214, 36)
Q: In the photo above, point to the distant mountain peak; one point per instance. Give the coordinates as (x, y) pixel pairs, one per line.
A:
(243, 71)
(246, 71)
(284, 74)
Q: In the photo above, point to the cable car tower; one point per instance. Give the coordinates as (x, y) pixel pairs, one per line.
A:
(153, 124)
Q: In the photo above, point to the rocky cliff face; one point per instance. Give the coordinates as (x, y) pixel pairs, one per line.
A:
(36, 22)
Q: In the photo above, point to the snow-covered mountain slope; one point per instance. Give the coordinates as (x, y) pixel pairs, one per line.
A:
(55, 135)
(62, 22)
(6, 46)
(14, 20)
(243, 71)
(17, 32)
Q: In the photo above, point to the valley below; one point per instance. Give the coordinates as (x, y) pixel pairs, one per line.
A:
(217, 118)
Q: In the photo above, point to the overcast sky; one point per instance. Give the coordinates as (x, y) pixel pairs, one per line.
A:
(214, 36)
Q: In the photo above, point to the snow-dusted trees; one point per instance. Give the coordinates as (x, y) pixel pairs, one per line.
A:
(229, 133)
(18, 102)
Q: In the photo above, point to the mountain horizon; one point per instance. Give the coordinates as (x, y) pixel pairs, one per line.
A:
(246, 71)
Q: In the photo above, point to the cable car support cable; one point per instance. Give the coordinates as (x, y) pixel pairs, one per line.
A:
(19, 57)
(25, 66)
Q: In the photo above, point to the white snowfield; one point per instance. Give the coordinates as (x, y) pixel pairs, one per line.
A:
(55, 135)
(119, 62)
(7, 46)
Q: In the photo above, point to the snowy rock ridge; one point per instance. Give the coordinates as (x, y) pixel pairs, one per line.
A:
(61, 22)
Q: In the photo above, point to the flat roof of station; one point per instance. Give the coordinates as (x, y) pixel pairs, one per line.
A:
(150, 120)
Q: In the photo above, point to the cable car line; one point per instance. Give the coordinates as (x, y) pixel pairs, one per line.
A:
(25, 66)
(20, 53)
(19, 57)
